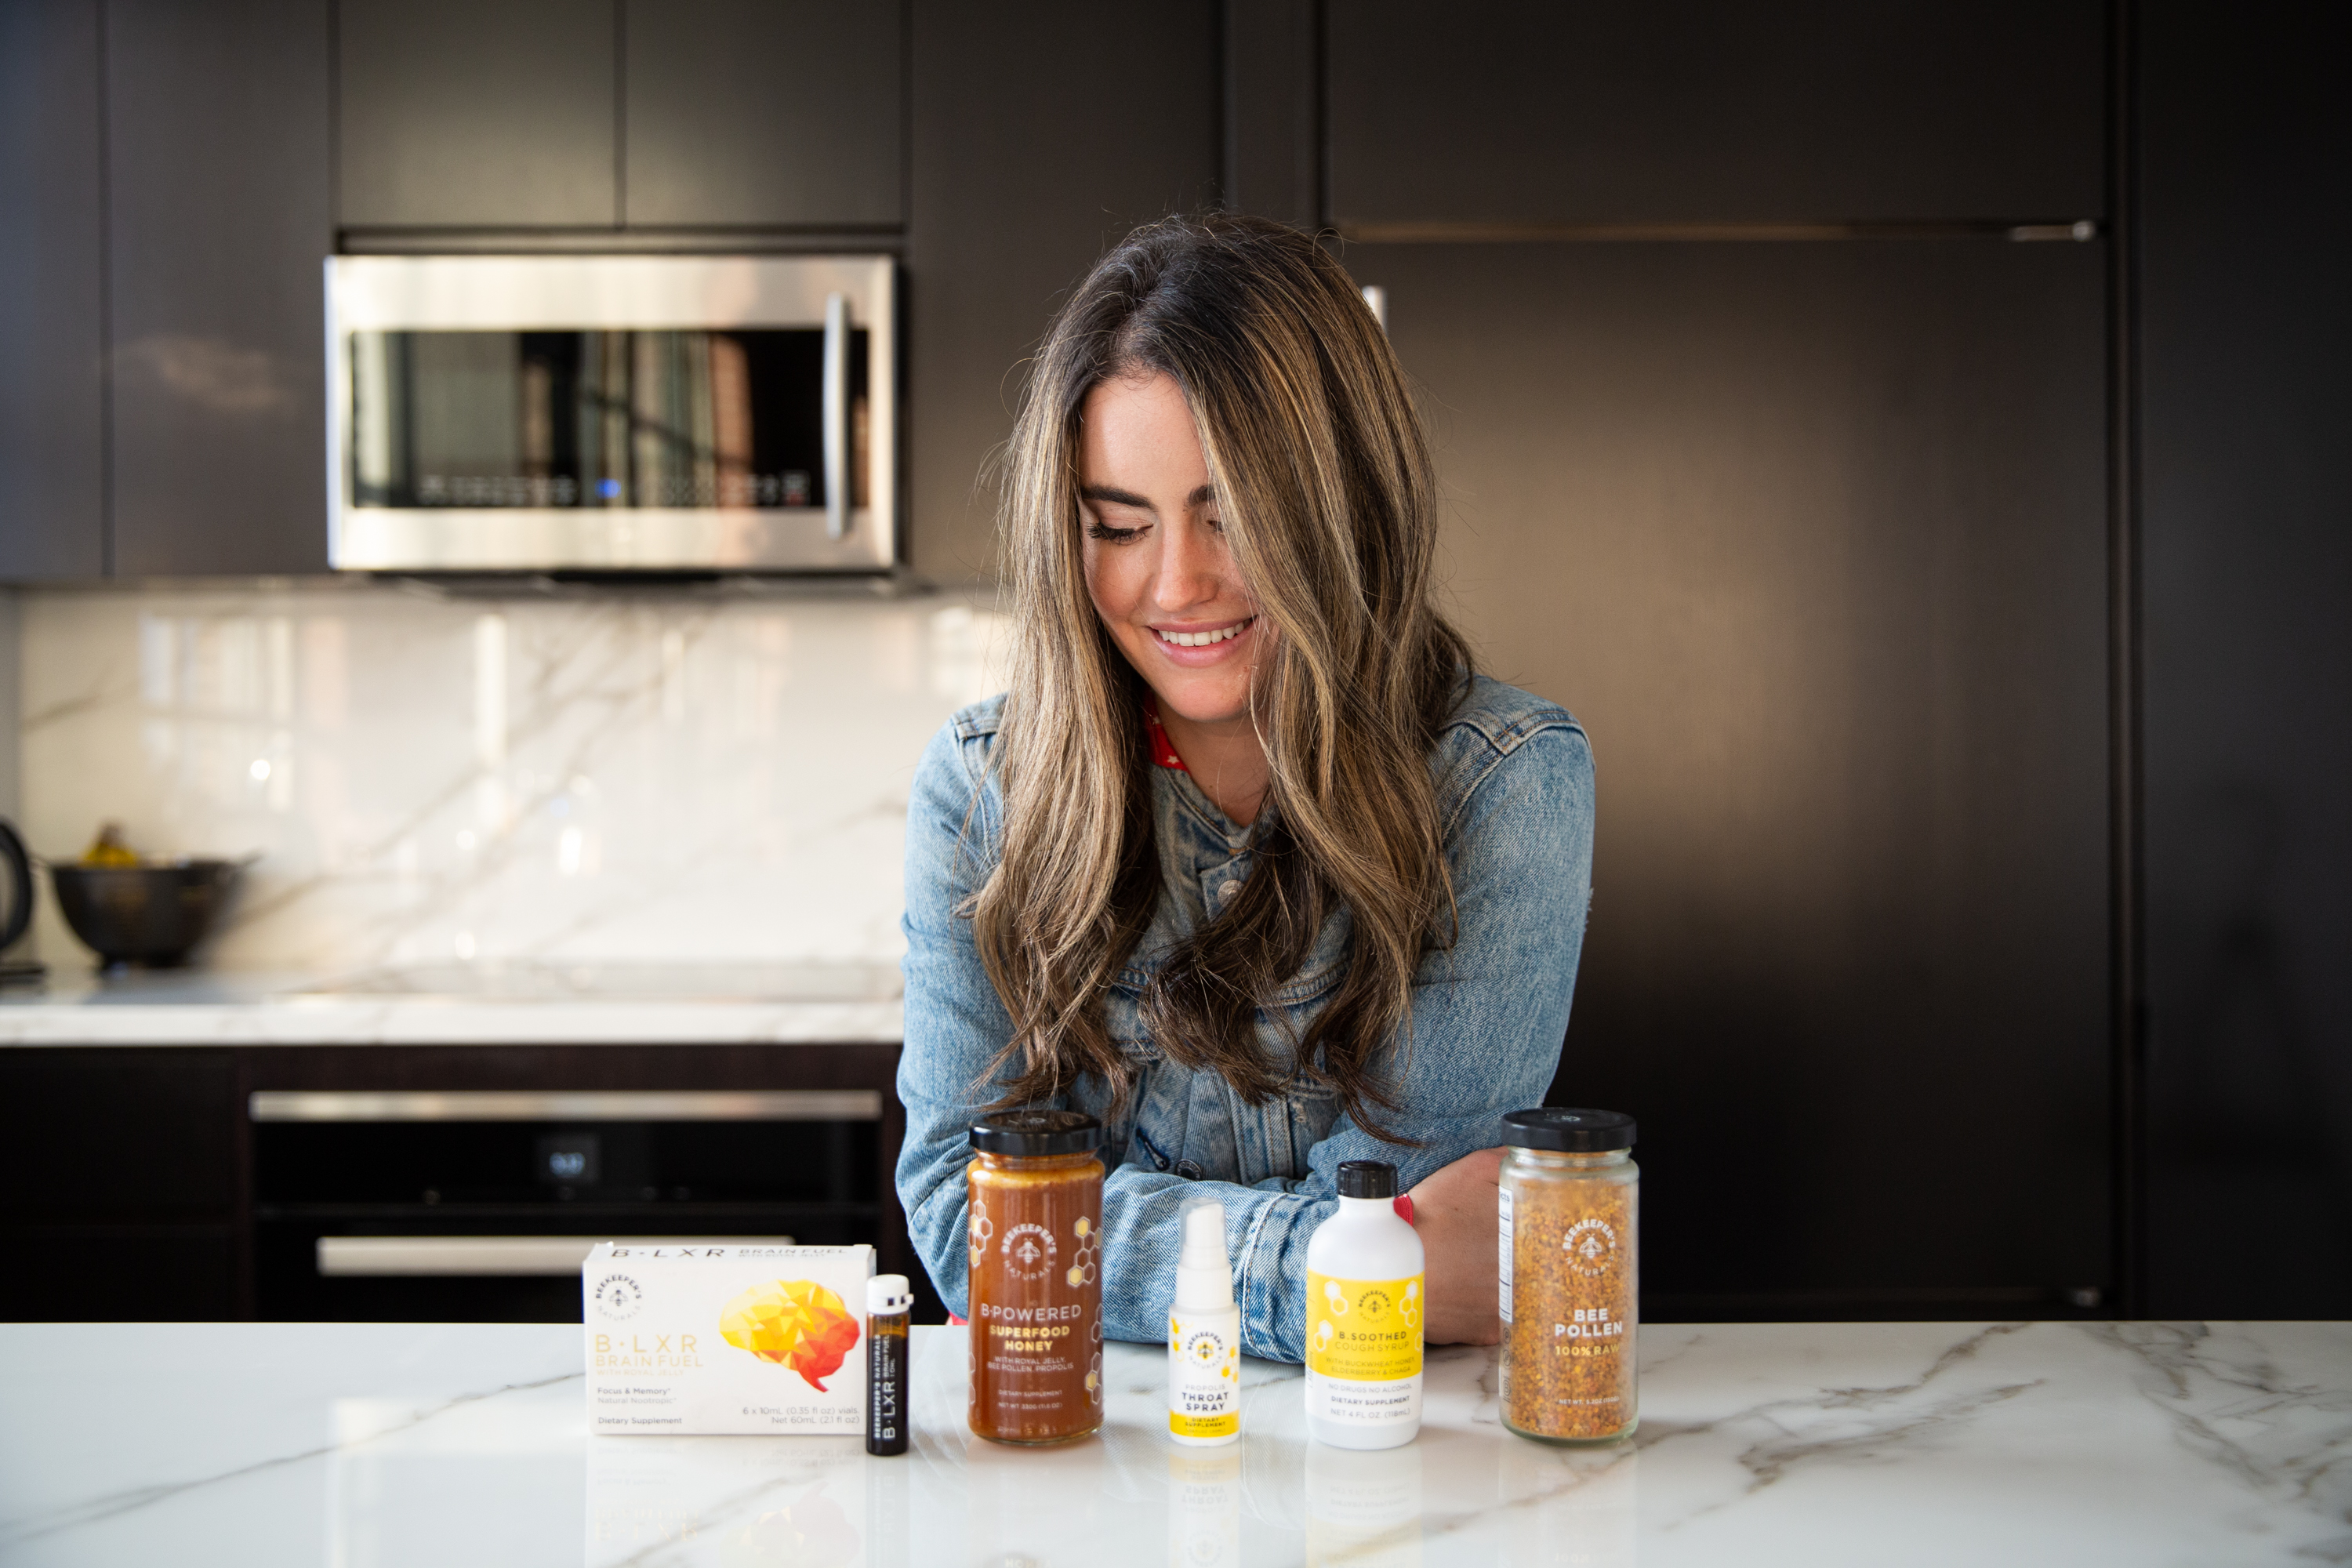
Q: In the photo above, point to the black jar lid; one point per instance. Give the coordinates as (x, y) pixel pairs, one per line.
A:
(1367, 1179)
(1568, 1130)
(1033, 1132)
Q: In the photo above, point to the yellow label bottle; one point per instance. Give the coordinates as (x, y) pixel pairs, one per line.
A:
(1204, 1335)
(1367, 1300)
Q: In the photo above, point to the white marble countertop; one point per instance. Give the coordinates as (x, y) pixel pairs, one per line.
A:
(365, 1445)
(240, 1007)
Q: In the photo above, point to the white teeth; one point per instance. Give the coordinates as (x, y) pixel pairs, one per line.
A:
(1200, 639)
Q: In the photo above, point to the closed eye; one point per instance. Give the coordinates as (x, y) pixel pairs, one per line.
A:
(1097, 529)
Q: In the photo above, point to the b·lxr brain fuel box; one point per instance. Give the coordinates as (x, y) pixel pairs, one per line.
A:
(725, 1337)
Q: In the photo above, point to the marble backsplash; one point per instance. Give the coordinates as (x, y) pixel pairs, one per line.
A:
(425, 777)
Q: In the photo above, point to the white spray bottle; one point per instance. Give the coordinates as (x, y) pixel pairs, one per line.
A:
(1204, 1335)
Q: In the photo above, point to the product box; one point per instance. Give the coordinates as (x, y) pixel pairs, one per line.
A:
(725, 1337)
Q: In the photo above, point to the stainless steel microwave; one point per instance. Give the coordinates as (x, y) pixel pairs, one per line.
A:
(612, 413)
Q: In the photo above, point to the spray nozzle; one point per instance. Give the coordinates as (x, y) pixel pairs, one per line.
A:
(1204, 1234)
(1205, 1276)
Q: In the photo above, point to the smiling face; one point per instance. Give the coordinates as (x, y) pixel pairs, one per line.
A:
(1156, 564)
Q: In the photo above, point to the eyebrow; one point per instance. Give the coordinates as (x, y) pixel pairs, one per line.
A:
(1202, 496)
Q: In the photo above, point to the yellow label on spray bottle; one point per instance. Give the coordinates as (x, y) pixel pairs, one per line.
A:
(1204, 1388)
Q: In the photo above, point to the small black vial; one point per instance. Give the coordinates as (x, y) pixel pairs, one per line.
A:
(888, 1304)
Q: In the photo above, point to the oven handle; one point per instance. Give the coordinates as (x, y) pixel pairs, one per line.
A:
(446, 1256)
(626, 1105)
(837, 415)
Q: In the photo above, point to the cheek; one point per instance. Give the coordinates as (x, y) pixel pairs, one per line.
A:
(1112, 579)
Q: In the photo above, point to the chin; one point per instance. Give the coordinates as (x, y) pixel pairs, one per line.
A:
(1203, 702)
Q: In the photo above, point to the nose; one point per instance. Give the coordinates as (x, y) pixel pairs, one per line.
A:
(1191, 565)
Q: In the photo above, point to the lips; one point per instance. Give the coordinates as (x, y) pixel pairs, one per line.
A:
(1209, 638)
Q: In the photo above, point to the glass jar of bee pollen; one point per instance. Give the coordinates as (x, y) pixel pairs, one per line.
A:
(1568, 1235)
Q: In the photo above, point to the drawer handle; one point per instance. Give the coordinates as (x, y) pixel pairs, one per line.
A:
(444, 1257)
(499, 1105)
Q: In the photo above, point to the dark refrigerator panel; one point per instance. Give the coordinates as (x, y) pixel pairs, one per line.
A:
(1812, 539)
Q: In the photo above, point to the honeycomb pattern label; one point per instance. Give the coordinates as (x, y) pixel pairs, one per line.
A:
(1088, 1256)
(982, 1228)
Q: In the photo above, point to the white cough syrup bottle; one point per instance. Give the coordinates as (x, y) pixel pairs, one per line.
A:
(1366, 1297)
(1204, 1336)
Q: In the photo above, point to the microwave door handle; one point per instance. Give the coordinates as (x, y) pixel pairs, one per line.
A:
(837, 415)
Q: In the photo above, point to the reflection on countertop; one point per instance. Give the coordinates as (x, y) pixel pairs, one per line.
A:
(1761, 1444)
(504, 1003)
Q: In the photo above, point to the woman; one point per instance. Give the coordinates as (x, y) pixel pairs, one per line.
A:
(1247, 862)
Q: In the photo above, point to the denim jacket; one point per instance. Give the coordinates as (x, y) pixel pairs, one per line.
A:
(1514, 777)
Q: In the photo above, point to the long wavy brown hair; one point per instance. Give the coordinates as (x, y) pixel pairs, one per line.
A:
(1326, 492)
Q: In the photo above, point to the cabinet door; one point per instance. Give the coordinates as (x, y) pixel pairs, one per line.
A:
(2248, 538)
(1041, 134)
(478, 113)
(1698, 111)
(218, 183)
(143, 1136)
(52, 520)
(1812, 539)
(119, 1169)
(775, 114)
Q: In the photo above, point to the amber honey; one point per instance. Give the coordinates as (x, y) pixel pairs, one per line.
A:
(1033, 1234)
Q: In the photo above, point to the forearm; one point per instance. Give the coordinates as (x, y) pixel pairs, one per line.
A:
(1266, 1229)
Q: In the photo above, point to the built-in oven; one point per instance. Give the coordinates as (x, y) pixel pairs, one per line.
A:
(598, 414)
(478, 1206)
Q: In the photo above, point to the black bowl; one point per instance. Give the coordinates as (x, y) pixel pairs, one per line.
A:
(144, 914)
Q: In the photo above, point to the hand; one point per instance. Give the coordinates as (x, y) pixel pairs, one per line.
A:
(1454, 1211)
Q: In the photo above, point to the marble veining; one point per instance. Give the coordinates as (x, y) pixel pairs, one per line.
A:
(1915, 1443)
(429, 778)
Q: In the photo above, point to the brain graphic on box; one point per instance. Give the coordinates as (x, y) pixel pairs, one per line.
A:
(796, 1323)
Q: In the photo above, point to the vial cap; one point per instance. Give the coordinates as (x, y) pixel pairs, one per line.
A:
(1367, 1179)
(1035, 1133)
(1568, 1130)
(886, 1296)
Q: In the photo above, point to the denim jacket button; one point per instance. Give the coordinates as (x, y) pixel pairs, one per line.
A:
(1227, 889)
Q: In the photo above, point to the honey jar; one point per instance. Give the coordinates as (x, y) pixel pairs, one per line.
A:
(1033, 1190)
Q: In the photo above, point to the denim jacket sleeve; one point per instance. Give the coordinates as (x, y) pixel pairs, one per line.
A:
(955, 1023)
(1489, 1014)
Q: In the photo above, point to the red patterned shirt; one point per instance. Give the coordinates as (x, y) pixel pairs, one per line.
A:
(1161, 752)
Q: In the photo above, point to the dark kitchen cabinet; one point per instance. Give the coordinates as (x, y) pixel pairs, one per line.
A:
(119, 1169)
(744, 113)
(1040, 134)
(1509, 111)
(52, 395)
(1812, 538)
(148, 1181)
(2247, 523)
(478, 113)
(597, 114)
(220, 217)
